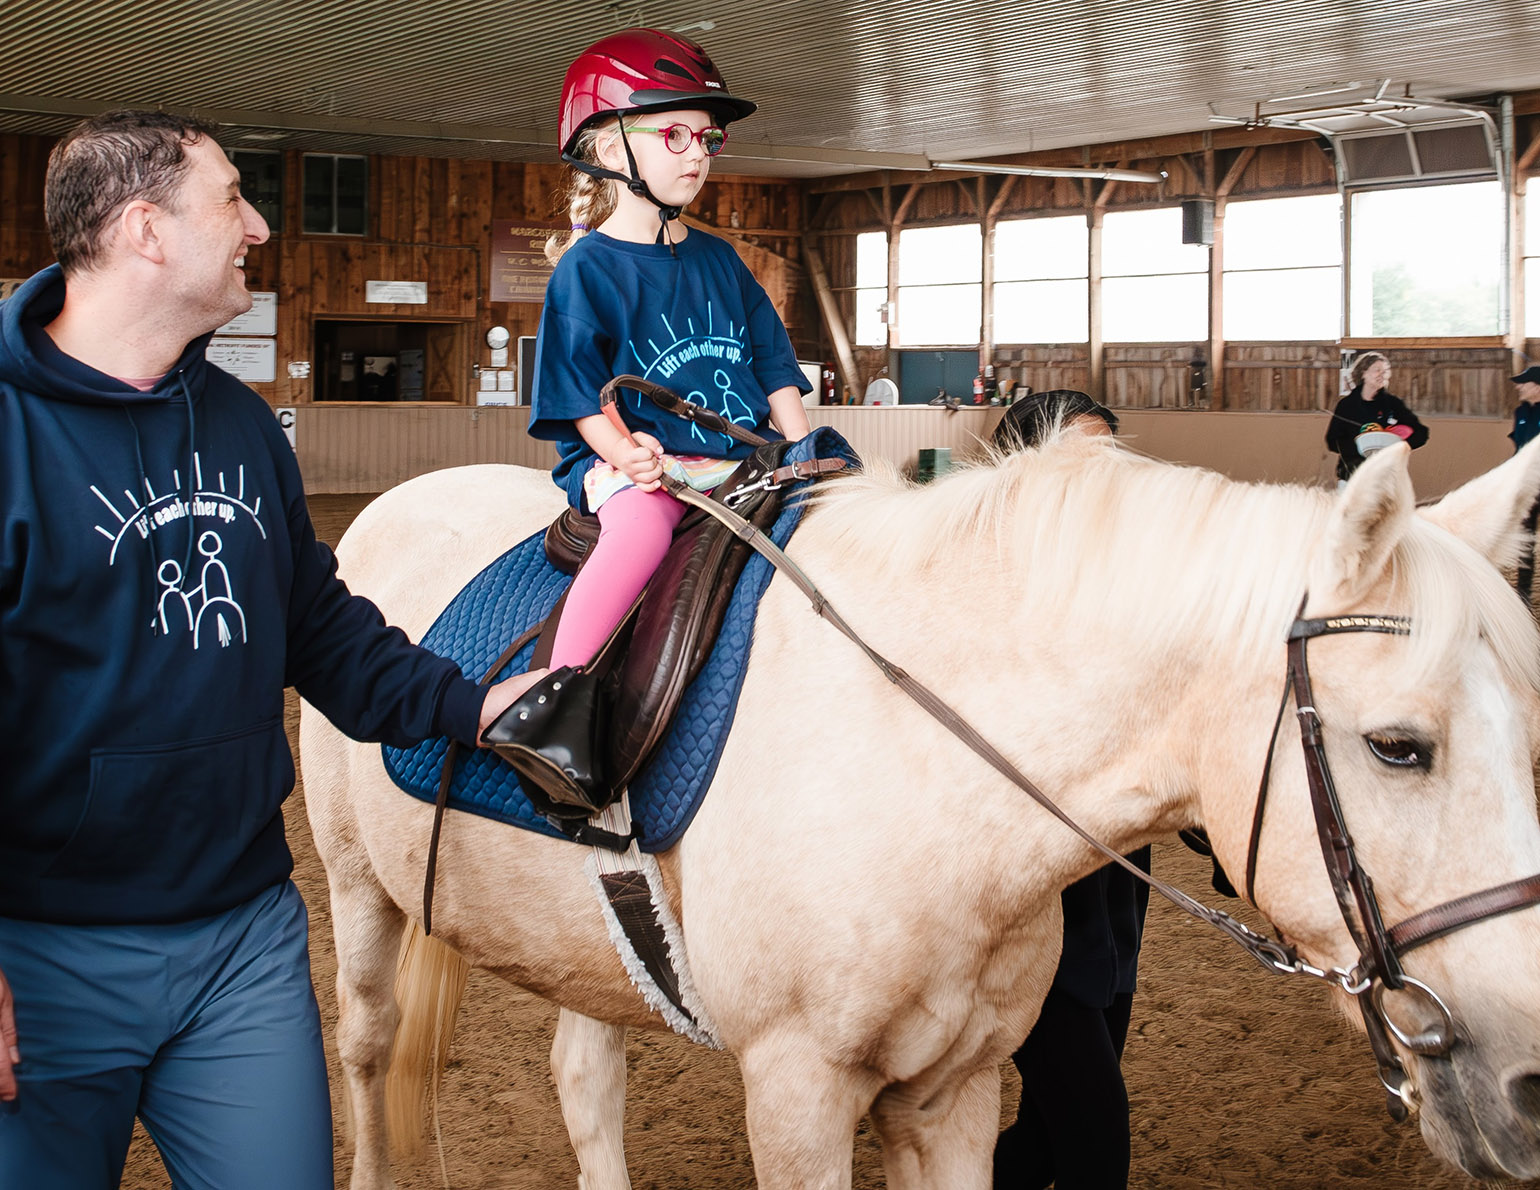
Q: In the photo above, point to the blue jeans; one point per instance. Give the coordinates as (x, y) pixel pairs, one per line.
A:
(206, 1030)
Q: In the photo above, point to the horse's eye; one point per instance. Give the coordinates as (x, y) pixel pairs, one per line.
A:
(1401, 751)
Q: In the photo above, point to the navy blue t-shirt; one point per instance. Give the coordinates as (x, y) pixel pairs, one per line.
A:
(693, 320)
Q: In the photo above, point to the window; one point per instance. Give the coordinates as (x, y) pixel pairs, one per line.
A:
(1283, 268)
(336, 195)
(1154, 287)
(871, 289)
(1426, 262)
(1041, 280)
(261, 173)
(940, 278)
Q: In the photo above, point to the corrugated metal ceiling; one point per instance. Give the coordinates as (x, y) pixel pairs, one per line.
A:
(840, 83)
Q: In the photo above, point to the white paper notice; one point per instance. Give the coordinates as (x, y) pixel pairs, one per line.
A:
(261, 319)
(396, 293)
(252, 360)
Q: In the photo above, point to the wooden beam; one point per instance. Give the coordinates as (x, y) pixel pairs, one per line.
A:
(834, 321)
(1002, 194)
(1095, 345)
(1105, 193)
(967, 194)
(1527, 158)
(1216, 301)
(1191, 170)
(1233, 174)
(905, 203)
(986, 275)
(876, 206)
(1145, 149)
(743, 234)
(887, 200)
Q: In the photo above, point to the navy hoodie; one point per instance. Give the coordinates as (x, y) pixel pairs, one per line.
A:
(160, 585)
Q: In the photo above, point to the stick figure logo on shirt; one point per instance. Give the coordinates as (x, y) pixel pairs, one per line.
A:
(728, 350)
(208, 612)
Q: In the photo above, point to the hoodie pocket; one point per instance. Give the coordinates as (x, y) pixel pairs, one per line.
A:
(166, 814)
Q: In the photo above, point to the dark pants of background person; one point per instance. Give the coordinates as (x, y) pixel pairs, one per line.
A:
(1072, 1128)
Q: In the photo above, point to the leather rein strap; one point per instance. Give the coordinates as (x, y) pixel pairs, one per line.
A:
(446, 776)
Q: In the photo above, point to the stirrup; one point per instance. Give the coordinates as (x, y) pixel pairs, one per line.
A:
(551, 735)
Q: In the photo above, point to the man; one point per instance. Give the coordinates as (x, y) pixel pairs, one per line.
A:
(1526, 416)
(160, 585)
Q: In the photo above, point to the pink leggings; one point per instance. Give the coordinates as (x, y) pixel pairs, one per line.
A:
(635, 529)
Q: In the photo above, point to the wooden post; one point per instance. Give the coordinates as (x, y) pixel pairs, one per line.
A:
(834, 321)
(893, 229)
(1519, 187)
(987, 277)
(1216, 312)
(1094, 345)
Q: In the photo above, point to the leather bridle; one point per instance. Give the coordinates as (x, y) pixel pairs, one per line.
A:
(1380, 949)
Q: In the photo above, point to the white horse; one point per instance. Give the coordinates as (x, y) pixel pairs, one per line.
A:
(870, 911)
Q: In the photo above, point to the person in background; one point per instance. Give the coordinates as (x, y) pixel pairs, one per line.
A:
(1369, 408)
(160, 585)
(1028, 420)
(1072, 1125)
(1526, 415)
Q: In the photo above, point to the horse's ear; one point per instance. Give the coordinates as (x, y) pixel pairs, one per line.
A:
(1370, 517)
(1489, 512)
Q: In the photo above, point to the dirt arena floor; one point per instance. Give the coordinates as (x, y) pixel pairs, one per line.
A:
(1237, 1078)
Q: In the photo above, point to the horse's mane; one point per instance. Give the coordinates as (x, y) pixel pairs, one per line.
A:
(1091, 533)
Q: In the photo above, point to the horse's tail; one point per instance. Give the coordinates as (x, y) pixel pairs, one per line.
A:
(430, 979)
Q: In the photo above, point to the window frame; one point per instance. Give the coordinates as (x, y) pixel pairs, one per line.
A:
(334, 158)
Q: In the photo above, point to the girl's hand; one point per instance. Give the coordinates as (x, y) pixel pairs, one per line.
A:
(642, 464)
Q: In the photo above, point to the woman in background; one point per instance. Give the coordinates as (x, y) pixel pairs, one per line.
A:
(1370, 408)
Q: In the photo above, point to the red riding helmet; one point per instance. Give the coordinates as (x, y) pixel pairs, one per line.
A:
(642, 70)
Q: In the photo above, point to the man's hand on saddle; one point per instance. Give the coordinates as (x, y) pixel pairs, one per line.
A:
(9, 1053)
(641, 460)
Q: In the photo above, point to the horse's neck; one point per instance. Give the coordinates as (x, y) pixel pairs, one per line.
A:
(1123, 725)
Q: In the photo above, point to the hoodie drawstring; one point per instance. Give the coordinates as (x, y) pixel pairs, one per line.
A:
(156, 561)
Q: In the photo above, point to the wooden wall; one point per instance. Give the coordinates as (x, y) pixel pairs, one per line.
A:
(23, 236)
(430, 220)
(355, 449)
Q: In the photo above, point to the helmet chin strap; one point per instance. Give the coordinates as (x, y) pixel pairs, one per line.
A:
(636, 184)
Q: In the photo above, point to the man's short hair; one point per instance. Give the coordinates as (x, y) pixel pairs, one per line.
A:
(103, 164)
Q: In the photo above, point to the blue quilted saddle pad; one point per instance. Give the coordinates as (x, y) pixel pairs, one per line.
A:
(519, 590)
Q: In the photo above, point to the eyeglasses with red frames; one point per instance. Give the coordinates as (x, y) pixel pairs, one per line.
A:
(677, 137)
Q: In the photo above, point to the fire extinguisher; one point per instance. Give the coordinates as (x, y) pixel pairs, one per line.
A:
(828, 384)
